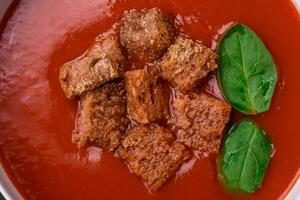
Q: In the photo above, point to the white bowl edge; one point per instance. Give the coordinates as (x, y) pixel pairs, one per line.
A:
(9, 191)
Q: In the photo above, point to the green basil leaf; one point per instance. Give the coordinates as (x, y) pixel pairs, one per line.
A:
(246, 155)
(247, 73)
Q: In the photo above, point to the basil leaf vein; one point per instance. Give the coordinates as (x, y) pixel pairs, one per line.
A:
(246, 155)
(247, 72)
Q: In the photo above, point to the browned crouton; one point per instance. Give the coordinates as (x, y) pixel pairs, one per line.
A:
(151, 154)
(102, 117)
(147, 34)
(103, 62)
(146, 98)
(199, 120)
(187, 62)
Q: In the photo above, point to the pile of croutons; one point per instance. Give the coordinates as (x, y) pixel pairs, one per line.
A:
(131, 112)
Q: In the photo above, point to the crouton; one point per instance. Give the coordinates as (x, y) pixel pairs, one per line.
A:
(199, 120)
(186, 63)
(147, 34)
(103, 62)
(102, 117)
(151, 154)
(146, 97)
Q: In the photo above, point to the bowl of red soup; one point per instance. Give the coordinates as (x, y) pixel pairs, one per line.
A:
(149, 99)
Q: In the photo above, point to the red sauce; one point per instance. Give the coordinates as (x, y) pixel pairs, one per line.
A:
(36, 119)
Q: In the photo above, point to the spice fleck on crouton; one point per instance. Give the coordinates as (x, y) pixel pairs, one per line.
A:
(147, 99)
(102, 117)
(103, 62)
(199, 120)
(147, 34)
(186, 62)
(151, 154)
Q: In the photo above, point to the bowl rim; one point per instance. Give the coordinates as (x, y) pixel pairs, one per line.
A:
(10, 192)
(7, 188)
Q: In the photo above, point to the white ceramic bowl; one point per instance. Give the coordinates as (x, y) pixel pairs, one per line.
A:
(10, 193)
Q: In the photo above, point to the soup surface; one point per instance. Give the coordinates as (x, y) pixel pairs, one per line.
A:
(36, 120)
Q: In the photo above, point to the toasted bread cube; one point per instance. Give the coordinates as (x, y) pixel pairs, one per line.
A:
(199, 120)
(102, 117)
(186, 63)
(103, 62)
(151, 154)
(147, 34)
(146, 97)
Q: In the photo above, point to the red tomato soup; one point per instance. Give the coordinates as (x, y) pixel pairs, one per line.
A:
(36, 119)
